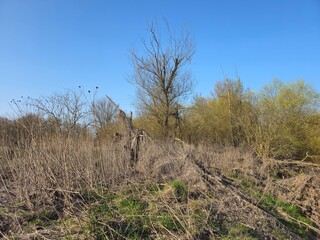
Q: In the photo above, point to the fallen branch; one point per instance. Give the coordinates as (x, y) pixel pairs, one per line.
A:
(298, 221)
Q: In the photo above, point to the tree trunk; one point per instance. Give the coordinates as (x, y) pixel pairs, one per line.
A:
(166, 127)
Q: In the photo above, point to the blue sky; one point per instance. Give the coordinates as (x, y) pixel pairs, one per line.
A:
(48, 46)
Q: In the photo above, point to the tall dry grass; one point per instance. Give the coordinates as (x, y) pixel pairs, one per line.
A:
(68, 162)
(60, 163)
(54, 171)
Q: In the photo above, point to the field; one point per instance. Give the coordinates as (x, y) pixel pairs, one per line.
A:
(190, 150)
(71, 186)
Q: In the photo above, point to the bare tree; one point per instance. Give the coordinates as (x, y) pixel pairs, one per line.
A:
(103, 112)
(50, 108)
(76, 109)
(68, 110)
(160, 77)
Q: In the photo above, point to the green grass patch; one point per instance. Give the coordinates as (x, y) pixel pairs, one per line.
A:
(44, 218)
(156, 188)
(132, 206)
(120, 218)
(169, 222)
(271, 204)
(96, 195)
(102, 210)
(241, 232)
(180, 190)
(218, 225)
(235, 175)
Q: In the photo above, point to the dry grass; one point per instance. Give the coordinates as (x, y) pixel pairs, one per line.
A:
(56, 183)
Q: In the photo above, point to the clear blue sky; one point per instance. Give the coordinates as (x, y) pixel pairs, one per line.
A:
(48, 46)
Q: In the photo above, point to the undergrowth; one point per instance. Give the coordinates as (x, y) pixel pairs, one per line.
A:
(71, 194)
(277, 207)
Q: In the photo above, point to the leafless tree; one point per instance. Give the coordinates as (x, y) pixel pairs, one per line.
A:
(67, 110)
(103, 112)
(50, 108)
(76, 109)
(160, 77)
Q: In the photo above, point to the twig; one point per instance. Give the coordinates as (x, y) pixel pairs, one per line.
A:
(248, 226)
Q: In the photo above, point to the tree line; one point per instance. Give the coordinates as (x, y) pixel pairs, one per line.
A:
(281, 120)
